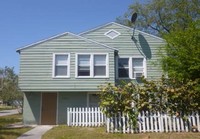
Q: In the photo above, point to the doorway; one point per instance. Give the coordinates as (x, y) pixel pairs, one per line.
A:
(49, 109)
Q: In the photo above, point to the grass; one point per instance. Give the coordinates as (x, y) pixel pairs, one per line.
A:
(3, 107)
(9, 132)
(64, 132)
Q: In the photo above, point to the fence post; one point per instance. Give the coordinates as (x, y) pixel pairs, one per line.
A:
(108, 125)
(198, 122)
(170, 123)
(151, 121)
(147, 120)
(124, 123)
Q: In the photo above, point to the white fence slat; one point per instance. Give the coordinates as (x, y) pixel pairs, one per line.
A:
(108, 125)
(140, 122)
(178, 124)
(143, 119)
(147, 121)
(198, 121)
(174, 123)
(170, 123)
(165, 122)
(155, 122)
(124, 126)
(181, 125)
(151, 122)
(193, 120)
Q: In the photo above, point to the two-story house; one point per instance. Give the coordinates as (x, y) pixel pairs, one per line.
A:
(66, 70)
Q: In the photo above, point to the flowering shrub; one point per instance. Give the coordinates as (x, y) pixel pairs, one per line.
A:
(163, 95)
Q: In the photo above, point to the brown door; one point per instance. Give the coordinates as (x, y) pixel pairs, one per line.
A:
(49, 105)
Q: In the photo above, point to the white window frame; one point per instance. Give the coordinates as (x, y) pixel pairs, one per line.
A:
(54, 65)
(92, 65)
(131, 67)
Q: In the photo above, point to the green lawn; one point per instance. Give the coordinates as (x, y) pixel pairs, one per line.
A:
(11, 133)
(64, 132)
(3, 107)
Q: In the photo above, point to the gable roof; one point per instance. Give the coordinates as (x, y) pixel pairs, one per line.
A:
(60, 35)
(123, 26)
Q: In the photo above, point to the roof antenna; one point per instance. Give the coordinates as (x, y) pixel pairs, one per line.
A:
(133, 19)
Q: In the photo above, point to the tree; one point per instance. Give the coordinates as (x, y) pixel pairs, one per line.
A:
(183, 53)
(9, 87)
(163, 16)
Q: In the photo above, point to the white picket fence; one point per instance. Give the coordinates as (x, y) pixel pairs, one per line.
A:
(153, 122)
(88, 116)
(147, 122)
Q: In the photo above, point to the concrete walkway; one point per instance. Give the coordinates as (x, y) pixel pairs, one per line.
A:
(8, 112)
(36, 133)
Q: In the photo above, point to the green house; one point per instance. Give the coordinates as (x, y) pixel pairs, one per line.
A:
(66, 70)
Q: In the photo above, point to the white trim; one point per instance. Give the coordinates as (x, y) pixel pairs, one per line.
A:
(93, 41)
(92, 65)
(112, 37)
(68, 65)
(66, 33)
(41, 41)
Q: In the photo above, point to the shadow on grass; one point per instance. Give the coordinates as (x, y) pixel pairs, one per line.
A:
(8, 128)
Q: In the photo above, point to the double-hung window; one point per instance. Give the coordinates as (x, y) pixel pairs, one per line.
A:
(99, 65)
(84, 65)
(132, 67)
(92, 65)
(61, 65)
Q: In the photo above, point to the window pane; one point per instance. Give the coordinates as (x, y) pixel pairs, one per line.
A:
(83, 60)
(138, 70)
(99, 70)
(83, 71)
(123, 73)
(137, 62)
(61, 71)
(100, 59)
(61, 59)
(123, 62)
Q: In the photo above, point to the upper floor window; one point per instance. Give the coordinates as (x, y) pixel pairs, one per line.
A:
(99, 65)
(123, 67)
(92, 65)
(133, 67)
(61, 65)
(137, 67)
(84, 65)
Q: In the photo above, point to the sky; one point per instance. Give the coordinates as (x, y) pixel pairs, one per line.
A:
(23, 22)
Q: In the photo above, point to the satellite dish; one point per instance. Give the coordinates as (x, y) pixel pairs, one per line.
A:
(134, 17)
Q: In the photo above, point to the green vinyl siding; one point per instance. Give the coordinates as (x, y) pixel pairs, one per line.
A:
(31, 108)
(36, 63)
(142, 44)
